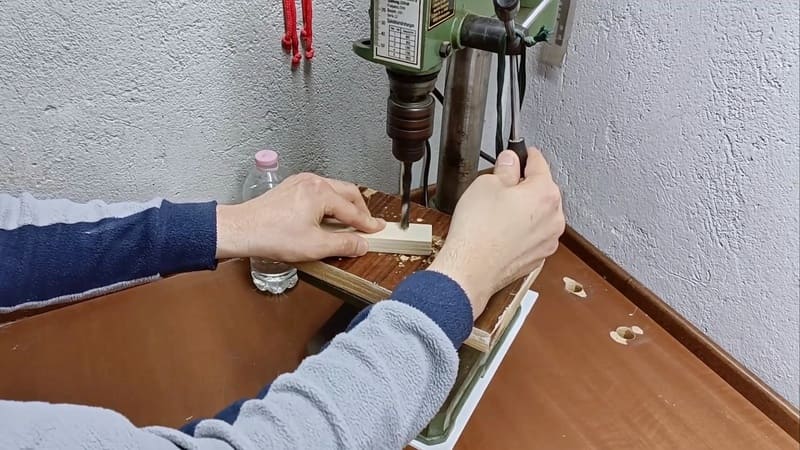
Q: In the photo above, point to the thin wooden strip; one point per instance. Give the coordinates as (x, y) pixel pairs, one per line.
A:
(508, 313)
(417, 239)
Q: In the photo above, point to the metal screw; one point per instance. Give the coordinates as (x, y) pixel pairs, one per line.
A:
(445, 49)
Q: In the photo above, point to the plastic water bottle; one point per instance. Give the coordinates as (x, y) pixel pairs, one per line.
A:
(270, 276)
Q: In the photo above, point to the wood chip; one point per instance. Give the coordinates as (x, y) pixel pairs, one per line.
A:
(367, 193)
(624, 334)
(404, 258)
(573, 287)
(617, 338)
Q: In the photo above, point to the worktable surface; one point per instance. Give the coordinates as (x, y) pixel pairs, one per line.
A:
(184, 347)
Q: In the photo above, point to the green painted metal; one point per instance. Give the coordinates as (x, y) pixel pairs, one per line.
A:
(448, 31)
(472, 365)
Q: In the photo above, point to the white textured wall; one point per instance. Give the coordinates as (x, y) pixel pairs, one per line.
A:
(130, 99)
(673, 131)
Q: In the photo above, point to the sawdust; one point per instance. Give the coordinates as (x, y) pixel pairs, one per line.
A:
(438, 242)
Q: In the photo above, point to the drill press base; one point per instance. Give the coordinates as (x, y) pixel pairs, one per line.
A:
(475, 372)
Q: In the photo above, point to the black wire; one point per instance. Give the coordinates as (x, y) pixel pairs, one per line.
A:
(521, 73)
(426, 168)
(521, 83)
(499, 144)
(439, 96)
(491, 159)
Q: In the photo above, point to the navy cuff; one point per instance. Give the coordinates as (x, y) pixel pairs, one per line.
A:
(188, 238)
(441, 299)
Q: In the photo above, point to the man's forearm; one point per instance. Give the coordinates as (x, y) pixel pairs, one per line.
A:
(56, 251)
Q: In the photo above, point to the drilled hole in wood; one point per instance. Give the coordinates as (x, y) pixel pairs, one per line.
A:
(626, 333)
(573, 287)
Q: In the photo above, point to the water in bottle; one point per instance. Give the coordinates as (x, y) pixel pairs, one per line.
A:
(270, 276)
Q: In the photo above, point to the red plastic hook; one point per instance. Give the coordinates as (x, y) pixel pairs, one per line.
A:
(290, 42)
(307, 33)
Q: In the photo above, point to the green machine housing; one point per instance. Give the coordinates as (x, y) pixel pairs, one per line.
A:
(416, 36)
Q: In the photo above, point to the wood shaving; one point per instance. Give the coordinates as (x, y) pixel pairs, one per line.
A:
(419, 219)
(403, 258)
(617, 338)
(369, 193)
(415, 258)
(437, 242)
(624, 334)
(573, 287)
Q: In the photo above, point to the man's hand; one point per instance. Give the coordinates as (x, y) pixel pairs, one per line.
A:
(502, 228)
(284, 223)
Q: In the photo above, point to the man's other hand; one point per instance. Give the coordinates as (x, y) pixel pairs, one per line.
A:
(502, 228)
(284, 223)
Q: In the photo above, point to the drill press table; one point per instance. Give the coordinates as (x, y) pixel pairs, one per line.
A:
(186, 346)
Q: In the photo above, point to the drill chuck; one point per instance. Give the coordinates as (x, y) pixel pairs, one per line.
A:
(409, 114)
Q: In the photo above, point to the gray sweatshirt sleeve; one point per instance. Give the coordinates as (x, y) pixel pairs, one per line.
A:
(375, 386)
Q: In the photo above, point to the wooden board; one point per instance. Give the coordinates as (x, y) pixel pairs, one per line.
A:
(374, 276)
(416, 240)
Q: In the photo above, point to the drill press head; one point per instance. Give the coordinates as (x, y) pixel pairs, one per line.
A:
(407, 38)
(412, 38)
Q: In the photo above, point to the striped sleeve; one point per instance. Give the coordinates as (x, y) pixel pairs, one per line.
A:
(57, 251)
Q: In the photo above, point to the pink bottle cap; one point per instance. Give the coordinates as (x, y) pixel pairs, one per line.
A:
(267, 159)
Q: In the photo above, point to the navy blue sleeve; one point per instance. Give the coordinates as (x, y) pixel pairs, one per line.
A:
(440, 298)
(59, 262)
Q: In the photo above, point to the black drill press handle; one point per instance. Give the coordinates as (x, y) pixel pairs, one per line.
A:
(519, 147)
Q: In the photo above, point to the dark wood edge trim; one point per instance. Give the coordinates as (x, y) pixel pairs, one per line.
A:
(732, 371)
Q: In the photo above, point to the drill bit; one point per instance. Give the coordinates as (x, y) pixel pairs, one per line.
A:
(405, 193)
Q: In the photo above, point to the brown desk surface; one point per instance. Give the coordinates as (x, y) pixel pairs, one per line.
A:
(184, 347)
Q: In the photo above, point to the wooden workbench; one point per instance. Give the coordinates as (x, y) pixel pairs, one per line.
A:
(184, 347)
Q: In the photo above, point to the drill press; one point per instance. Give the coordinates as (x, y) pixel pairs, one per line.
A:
(412, 39)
